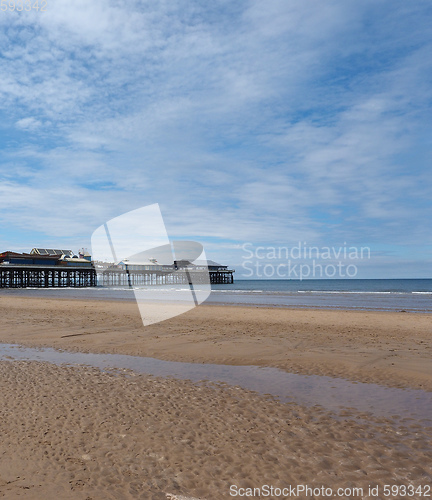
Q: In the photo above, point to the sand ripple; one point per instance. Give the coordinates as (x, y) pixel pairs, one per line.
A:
(79, 433)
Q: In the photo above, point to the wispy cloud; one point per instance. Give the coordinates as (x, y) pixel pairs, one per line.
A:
(266, 122)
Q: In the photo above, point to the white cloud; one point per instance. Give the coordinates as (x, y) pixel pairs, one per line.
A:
(29, 123)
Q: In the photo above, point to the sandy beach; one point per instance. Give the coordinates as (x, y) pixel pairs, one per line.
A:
(382, 347)
(77, 432)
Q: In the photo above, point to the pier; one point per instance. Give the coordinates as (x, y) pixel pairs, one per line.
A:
(150, 272)
(120, 277)
(47, 268)
(45, 277)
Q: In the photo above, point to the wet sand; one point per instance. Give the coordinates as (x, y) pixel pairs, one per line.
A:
(75, 432)
(382, 347)
(79, 433)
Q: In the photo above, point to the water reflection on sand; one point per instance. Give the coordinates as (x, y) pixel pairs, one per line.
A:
(332, 394)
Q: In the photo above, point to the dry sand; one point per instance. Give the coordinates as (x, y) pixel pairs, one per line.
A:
(74, 432)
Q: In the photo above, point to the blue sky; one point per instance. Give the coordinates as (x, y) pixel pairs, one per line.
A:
(264, 122)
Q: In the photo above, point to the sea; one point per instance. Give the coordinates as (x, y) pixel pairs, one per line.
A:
(405, 295)
(411, 295)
